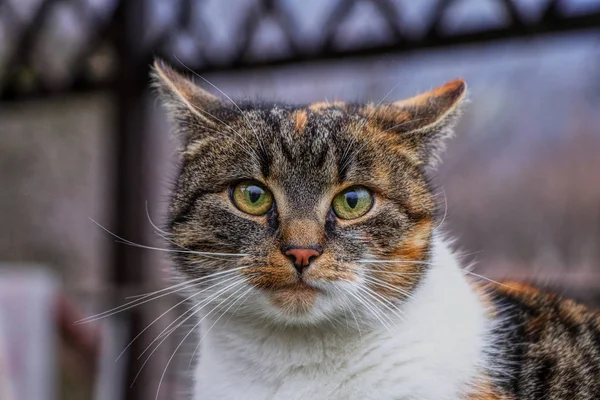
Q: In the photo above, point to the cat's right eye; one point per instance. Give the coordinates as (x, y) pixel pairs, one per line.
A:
(252, 197)
(352, 203)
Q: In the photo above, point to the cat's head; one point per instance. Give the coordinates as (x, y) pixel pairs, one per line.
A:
(300, 214)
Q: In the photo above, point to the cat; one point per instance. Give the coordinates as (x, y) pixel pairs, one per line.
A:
(308, 239)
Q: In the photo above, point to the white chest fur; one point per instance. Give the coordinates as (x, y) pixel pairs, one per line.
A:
(434, 354)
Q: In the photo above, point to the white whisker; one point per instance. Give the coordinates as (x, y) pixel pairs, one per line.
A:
(188, 334)
(348, 306)
(355, 319)
(367, 261)
(369, 306)
(381, 283)
(485, 278)
(248, 149)
(385, 302)
(192, 311)
(145, 298)
(201, 253)
(366, 120)
(214, 323)
(399, 273)
(165, 338)
(234, 311)
(152, 222)
(228, 98)
(445, 210)
(170, 309)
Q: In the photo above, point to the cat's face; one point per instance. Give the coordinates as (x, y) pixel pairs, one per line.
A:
(303, 214)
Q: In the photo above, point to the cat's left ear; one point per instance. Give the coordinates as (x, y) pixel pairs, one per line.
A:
(425, 121)
(191, 108)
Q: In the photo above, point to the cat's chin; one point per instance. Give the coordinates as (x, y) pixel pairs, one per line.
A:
(297, 304)
(294, 300)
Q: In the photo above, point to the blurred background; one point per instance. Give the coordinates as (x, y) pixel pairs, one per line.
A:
(82, 139)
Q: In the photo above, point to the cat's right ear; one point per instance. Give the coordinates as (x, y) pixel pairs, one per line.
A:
(190, 107)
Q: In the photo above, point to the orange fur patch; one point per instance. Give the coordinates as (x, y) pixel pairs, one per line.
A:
(420, 200)
(387, 112)
(389, 139)
(276, 272)
(485, 391)
(302, 233)
(300, 117)
(483, 292)
(518, 288)
(327, 268)
(453, 91)
(404, 150)
(324, 104)
(567, 309)
(403, 276)
(416, 241)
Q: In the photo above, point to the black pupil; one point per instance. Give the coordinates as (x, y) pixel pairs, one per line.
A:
(254, 193)
(351, 199)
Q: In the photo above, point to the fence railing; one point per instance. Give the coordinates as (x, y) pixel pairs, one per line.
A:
(56, 46)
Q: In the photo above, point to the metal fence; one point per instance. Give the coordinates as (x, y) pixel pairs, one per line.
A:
(114, 43)
(126, 35)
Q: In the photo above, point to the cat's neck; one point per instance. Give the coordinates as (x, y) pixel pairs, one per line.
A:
(442, 337)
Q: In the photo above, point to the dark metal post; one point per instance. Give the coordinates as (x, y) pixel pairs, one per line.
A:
(130, 144)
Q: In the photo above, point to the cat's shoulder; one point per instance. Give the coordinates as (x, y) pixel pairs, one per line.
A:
(548, 344)
(542, 306)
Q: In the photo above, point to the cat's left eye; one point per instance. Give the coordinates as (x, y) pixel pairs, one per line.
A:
(352, 203)
(252, 197)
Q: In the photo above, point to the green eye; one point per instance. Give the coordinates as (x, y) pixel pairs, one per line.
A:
(251, 197)
(352, 203)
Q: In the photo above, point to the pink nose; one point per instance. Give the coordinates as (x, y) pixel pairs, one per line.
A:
(302, 257)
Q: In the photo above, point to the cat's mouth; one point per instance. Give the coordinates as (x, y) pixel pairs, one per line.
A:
(296, 298)
(299, 286)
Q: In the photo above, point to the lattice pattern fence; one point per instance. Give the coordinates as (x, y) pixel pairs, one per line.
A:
(49, 46)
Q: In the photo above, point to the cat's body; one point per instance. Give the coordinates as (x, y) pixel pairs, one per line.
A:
(309, 240)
